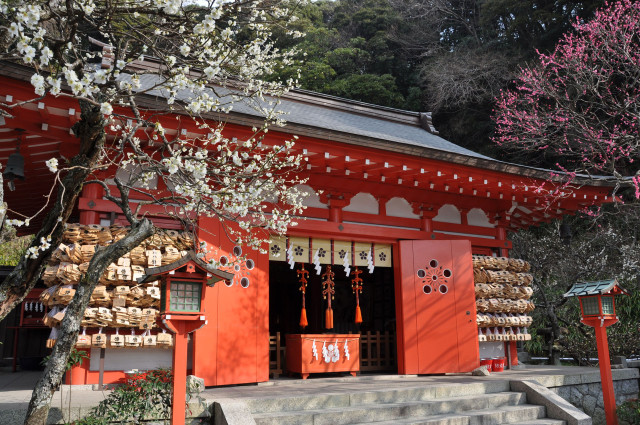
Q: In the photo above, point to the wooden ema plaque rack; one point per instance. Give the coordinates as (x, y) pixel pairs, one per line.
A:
(323, 353)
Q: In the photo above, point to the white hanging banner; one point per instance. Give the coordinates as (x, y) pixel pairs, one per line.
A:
(341, 249)
(326, 251)
(299, 249)
(362, 253)
(322, 247)
(278, 248)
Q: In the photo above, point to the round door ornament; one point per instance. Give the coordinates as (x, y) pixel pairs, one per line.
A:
(435, 278)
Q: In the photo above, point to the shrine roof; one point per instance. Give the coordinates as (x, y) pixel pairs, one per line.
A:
(356, 123)
(333, 114)
(358, 118)
(349, 145)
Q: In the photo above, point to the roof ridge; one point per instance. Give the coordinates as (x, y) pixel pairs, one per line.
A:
(418, 119)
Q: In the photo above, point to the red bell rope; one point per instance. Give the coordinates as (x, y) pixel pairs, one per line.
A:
(302, 278)
(328, 292)
(356, 286)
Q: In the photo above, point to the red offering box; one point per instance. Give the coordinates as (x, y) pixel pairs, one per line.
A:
(300, 358)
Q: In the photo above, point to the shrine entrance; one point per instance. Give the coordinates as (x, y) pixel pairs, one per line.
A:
(377, 305)
(418, 314)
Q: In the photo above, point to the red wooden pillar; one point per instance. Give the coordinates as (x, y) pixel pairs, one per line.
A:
(427, 215)
(463, 216)
(605, 375)
(78, 374)
(501, 235)
(335, 209)
(510, 347)
(91, 191)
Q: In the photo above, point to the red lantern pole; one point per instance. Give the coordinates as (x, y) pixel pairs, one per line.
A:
(179, 393)
(181, 326)
(599, 325)
(608, 395)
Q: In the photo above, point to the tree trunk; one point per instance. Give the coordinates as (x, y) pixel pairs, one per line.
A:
(90, 130)
(554, 353)
(50, 380)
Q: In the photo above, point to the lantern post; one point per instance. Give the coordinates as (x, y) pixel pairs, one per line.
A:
(598, 309)
(182, 286)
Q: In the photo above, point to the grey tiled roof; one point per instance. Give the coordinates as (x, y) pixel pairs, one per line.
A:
(368, 126)
(353, 118)
(591, 288)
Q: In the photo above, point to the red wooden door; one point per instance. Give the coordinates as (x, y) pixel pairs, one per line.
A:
(233, 348)
(436, 307)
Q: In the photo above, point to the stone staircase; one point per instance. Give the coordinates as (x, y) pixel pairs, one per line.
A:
(480, 403)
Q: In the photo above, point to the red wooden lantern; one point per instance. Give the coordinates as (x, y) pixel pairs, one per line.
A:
(182, 289)
(598, 308)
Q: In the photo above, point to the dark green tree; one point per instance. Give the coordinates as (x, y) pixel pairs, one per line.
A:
(347, 51)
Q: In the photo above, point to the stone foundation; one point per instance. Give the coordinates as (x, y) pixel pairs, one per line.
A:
(587, 393)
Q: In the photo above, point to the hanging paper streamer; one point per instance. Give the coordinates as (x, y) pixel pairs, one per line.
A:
(302, 278)
(346, 350)
(314, 350)
(328, 291)
(325, 352)
(290, 259)
(345, 263)
(334, 352)
(370, 261)
(356, 286)
(316, 261)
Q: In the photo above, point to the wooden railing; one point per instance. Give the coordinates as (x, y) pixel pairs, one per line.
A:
(377, 353)
(276, 355)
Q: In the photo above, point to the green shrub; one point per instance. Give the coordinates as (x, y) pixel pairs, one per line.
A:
(13, 250)
(629, 412)
(143, 395)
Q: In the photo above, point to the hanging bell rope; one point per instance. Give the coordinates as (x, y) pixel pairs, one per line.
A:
(356, 286)
(302, 278)
(328, 291)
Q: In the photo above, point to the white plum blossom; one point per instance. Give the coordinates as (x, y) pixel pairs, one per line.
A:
(55, 85)
(100, 76)
(106, 108)
(52, 165)
(15, 29)
(45, 56)
(211, 72)
(29, 54)
(182, 57)
(37, 81)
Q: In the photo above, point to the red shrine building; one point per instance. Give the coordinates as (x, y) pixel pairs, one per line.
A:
(388, 196)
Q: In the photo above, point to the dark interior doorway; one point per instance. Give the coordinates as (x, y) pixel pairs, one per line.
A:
(377, 301)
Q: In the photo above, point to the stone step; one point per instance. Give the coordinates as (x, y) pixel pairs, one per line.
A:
(335, 399)
(371, 413)
(521, 415)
